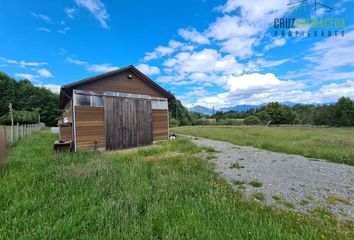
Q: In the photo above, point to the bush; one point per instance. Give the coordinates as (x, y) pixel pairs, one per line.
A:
(201, 121)
(174, 122)
(252, 120)
(21, 117)
(230, 121)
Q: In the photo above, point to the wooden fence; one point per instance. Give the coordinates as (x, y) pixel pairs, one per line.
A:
(11, 134)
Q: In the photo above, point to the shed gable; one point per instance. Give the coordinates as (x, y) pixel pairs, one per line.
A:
(121, 82)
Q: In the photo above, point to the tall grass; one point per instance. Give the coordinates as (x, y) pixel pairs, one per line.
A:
(334, 144)
(159, 192)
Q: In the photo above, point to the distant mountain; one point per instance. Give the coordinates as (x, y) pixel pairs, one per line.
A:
(241, 108)
(238, 108)
(201, 109)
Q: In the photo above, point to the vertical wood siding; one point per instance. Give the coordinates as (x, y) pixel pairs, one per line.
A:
(128, 122)
(89, 123)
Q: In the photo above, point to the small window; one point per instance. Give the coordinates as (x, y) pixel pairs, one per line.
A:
(83, 100)
(159, 105)
(97, 101)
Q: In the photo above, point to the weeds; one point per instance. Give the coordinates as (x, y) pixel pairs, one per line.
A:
(255, 183)
(283, 201)
(236, 165)
(259, 196)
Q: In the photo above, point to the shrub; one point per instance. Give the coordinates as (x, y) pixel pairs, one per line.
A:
(201, 121)
(252, 120)
(174, 122)
(230, 121)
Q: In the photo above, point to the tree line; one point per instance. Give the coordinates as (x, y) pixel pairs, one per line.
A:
(28, 101)
(340, 114)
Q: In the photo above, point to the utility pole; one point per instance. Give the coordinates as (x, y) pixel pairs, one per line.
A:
(213, 116)
(12, 122)
(176, 111)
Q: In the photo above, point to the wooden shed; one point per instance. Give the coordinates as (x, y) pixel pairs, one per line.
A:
(115, 110)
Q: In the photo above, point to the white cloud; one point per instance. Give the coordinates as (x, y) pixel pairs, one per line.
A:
(205, 61)
(27, 76)
(277, 42)
(263, 88)
(71, 12)
(162, 51)
(251, 89)
(101, 68)
(334, 52)
(75, 61)
(43, 29)
(51, 87)
(328, 60)
(193, 35)
(148, 70)
(42, 17)
(239, 34)
(44, 73)
(97, 9)
(262, 63)
(63, 30)
(23, 64)
(227, 27)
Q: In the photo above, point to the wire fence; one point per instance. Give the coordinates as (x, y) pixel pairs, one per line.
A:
(11, 134)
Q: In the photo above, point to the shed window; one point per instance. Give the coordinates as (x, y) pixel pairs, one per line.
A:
(159, 104)
(89, 100)
(83, 100)
(97, 101)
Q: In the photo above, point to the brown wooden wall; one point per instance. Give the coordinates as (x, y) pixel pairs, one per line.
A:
(65, 132)
(159, 124)
(90, 126)
(89, 123)
(121, 83)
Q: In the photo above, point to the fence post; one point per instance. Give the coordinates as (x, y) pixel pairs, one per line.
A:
(21, 131)
(17, 129)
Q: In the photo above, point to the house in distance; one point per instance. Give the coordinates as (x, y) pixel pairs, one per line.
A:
(115, 110)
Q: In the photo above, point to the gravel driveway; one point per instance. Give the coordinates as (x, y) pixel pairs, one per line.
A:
(285, 180)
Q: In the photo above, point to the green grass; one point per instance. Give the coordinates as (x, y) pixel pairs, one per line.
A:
(255, 183)
(334, 144)
(159, 192)
(259, 196)
(283, 201)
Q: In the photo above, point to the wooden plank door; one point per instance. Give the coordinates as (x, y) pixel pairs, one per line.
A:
(128, 122)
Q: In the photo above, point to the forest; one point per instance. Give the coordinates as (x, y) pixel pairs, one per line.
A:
(340, 114)
(29, 103)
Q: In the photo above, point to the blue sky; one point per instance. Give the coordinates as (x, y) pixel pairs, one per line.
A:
(210, 53)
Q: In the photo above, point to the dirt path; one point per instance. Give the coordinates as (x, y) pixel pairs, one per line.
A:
(285, 180)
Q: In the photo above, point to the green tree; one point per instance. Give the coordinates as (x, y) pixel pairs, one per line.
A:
(252, 120)
(179, 112)
(344, 112)
(277, 113)
(28, 98)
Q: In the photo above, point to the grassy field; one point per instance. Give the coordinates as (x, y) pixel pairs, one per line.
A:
(334, 144)
(160, 192)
